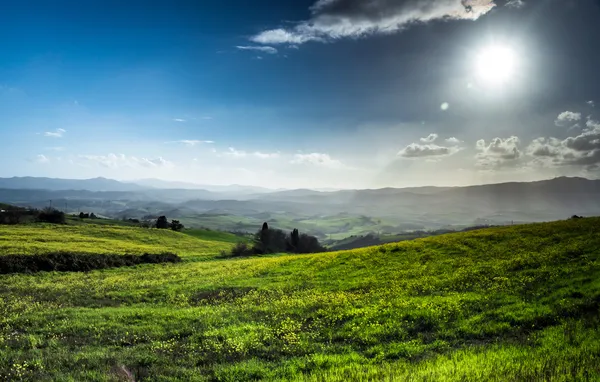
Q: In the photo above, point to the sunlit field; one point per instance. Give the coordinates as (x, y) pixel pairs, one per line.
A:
(514, 303)
(92, 238)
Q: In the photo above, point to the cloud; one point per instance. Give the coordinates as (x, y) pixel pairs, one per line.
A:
(580, 150)
(56, 148)
(415, 150)
(515, 3)
(430, 138)
(453, 141)
(191, 142)
(179, 120)
(337, 19)
(567, 117)
(157, 162)
(498, 153)
(41, 158)
(264, 49)
(116, 161)
(591, 103)
(260, 155)
(232, 152)
(58, 133)
(317, 159)
(428, 149)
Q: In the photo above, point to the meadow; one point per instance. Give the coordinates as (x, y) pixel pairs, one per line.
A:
(510, 303)
(94, 238)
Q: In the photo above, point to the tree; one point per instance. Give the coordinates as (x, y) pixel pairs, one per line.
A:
(295, 238)
(51, 215)
(81, 215)
(162, 222)
(93, 216)
(176, 225)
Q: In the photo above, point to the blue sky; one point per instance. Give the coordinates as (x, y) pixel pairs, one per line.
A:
(327, 93)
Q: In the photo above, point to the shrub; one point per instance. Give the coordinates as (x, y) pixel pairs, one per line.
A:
(51, 215)
(176, 225)
(242, 249)
(162, 222)
(77, 262)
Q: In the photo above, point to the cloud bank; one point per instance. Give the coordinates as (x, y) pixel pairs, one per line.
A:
(337, 19)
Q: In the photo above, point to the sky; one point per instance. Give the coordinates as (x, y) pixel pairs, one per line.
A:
(301, 94)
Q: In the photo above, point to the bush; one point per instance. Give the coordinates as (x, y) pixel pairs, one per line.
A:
(51, 215)
(162, 222)
(242, 249)
(77, 262)
(176, 225)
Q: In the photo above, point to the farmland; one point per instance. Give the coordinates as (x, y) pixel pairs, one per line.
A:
(511, 303)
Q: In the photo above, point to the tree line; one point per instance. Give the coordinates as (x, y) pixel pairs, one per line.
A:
(268, 241)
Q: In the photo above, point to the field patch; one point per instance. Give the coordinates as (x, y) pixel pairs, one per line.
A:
(98, 239)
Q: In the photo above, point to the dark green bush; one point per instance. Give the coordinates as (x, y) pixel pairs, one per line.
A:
(77, 262)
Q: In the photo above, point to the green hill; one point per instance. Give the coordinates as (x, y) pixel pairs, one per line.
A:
(102, 238)
(512, 303)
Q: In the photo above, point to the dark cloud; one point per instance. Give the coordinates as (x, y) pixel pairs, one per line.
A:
(580, 150)
(334, 19)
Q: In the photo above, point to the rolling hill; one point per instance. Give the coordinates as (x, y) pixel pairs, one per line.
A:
(511, 303)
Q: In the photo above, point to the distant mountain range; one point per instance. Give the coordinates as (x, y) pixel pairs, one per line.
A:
(419, 206)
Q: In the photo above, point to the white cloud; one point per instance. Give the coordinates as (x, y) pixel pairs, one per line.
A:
(56, 148)
(317, 159)
(234, 153)
(567, 117)
(191, 142)
(498, 153)
(415, 150)
(179, 120)
(260, 155)
(428, 149)
(58, 133)
(264, 49)
(116, 161)
(591, 103)
(430, 138)
(515, 3)
(453, 141)
(157, 162)
(336, 19)
(41, 158)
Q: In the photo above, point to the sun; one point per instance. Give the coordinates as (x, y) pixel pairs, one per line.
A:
(496, 65)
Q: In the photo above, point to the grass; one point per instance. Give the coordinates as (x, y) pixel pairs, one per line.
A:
(511, 303)
(103, 239)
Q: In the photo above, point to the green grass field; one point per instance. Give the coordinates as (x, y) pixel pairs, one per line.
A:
(505, 304)
(101, 238)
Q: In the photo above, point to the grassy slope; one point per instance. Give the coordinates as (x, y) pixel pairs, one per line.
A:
(499, 304)
(91, 238)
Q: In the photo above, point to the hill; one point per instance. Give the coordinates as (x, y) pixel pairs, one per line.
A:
(338, 214)
(511, 303)
(109, 239)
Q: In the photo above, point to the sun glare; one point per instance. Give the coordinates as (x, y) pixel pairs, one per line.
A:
(496, 65)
